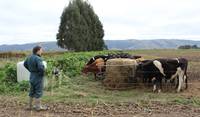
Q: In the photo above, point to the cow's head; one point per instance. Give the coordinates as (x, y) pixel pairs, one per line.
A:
(141, 68)
(138, 71)
(136, 57)
(85, 69)
(92, 60)
(94, 67)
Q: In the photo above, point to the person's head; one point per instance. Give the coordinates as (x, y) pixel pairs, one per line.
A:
(37, 50)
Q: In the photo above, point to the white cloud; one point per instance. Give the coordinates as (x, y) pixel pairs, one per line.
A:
(38, 20)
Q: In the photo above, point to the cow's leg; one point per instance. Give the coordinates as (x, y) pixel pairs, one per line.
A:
(166, 83)
(160, 84)
(144, 80)
(95, 76)
(150, 81)
(171, 83)
(157, 81)
(154, 80)
(186, 81)
(154, 87)
(176, 82)
(180, 78)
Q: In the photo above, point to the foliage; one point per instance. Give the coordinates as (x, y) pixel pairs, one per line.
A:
(2, 74)
(71, 63)
(8, 80)
(80, 28)
(11, 73)
(188, 47)
(23, 85)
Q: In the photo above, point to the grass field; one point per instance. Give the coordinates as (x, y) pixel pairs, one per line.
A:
(83, 96)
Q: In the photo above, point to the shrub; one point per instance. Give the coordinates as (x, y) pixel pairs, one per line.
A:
(3, 88)
(23, 85)
(10, 73)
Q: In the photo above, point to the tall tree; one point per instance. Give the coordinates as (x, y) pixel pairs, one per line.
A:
(80, 28)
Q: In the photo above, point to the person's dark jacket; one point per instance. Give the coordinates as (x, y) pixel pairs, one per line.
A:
(35, 66)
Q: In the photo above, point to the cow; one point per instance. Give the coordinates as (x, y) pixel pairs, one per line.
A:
(112, 56)
(93, 59)
(164, 68)
(97, 63)
(97, 67)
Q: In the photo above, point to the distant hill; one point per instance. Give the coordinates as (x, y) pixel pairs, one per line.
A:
(112, 44)
(149, 44)
(48, 46)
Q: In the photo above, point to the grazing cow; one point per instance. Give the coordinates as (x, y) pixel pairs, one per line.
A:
(112, 56)
(93, 59)
(168, 69)
(97, 67)
(97, 63)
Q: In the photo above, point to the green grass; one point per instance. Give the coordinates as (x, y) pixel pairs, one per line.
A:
(86, 90)
(82, 90)
(2, 74)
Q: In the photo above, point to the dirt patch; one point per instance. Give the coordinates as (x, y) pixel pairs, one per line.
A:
(193, 89)
(10, 107)
(155, 109)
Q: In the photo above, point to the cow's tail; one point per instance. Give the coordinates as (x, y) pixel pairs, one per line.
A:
(186, 81)
(186, 76)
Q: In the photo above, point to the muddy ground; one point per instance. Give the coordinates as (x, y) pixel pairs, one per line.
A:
(155, 109)
(14, 108)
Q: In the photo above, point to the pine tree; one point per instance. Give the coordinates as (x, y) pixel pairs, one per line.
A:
(80, 28)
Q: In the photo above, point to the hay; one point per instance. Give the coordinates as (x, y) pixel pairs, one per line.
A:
(119, 73)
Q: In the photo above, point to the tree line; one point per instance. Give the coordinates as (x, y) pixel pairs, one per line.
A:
(188, 47)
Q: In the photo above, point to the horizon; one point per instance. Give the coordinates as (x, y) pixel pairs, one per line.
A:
(142, 20)
(104, 40)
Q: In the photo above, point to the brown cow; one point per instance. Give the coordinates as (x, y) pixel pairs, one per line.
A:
(97, 63)
(96, 67)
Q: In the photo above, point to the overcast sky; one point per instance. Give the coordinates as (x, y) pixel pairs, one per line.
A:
(24, 21)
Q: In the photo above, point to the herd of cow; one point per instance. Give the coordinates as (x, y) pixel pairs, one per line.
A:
(151, 71)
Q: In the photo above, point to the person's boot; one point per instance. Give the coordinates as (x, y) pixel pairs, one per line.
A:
(38, 106)
(30, 103)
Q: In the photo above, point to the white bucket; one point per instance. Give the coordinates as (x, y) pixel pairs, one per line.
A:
(23, 74)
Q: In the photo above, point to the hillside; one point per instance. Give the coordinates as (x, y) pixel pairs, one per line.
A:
(149, 44)
(112, 44)
(23, 47)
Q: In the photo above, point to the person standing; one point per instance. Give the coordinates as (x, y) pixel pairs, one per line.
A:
(35, 66)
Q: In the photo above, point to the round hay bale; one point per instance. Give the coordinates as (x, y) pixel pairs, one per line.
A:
(120, 73)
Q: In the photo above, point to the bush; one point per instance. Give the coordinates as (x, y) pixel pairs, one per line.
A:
(188, 47)
(3, 88)
(71, 63)
(23, 85)
(2, 74)
(8, 82)
(10, 73)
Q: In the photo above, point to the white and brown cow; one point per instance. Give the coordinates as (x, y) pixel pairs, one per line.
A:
(164, 68)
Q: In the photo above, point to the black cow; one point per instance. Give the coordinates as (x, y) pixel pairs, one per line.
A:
(112, 56)
(168, 69)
